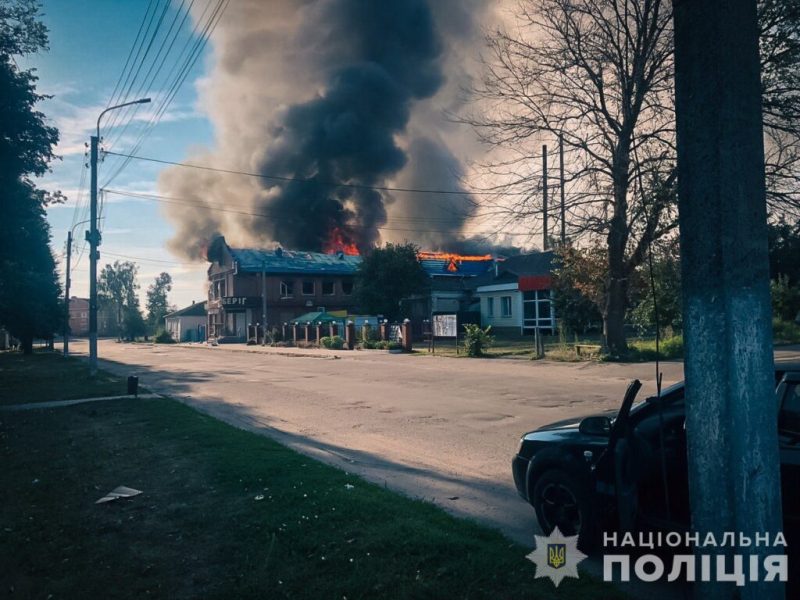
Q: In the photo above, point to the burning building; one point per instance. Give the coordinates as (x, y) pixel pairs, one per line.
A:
(291, 282)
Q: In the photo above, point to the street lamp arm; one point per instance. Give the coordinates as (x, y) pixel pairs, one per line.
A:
(110, 108)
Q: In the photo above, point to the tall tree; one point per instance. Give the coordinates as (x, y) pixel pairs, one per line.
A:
(117, 285)
(599, 74)
(29, 290)
(157, 303)
(386, 276)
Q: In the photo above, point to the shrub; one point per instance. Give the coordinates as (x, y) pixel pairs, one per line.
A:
(785, 332)
(334, 343)
(394, 346)
(672, 347)
(785, 299)
(476, 340)
(163, 337)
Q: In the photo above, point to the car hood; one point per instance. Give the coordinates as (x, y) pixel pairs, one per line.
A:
(575, 421)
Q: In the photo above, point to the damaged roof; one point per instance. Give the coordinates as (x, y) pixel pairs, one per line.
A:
(294, 261)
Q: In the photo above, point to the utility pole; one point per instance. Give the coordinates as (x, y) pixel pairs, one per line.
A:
(544, 197)
(263, 304)
(561, 188)
(731, 414)
(67, 283)
(93, 237)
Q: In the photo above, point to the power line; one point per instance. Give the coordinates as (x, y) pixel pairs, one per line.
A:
(355, 186)
(218, 208)
(208, 28)
(148, 81)
(130, 55)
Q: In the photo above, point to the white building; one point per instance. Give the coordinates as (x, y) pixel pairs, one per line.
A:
(515, 298)
(188, 324)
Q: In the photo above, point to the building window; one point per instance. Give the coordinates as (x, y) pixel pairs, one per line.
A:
(308, 288)
(287, 289)
(347, 288)
(537, 310)
(490, 306)
(327, 288)
(505, 306)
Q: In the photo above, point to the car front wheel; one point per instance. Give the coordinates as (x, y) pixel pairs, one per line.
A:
(561, 501)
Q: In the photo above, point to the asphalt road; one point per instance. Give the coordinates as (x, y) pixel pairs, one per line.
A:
(437, 428)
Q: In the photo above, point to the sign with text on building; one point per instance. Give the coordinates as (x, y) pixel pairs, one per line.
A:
(241, 302)
(444, 326)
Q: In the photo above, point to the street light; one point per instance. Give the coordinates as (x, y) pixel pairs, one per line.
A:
(67, 283)
(93, 237)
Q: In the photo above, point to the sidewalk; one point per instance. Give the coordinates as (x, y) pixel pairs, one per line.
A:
(60, 403)
(285, 351)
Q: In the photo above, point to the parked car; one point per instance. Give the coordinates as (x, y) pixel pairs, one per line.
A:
(604, 472)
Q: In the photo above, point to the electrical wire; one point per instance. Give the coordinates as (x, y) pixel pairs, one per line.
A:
(185, 68)
(224, 209)
(335, 184)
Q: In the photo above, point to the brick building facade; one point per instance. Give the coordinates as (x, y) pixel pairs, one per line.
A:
(293, 282)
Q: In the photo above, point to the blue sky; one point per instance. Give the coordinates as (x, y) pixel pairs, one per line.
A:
(89, 44)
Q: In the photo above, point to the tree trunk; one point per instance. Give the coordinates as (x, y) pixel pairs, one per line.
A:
(26, 343)
(614, 316)
(617, 289)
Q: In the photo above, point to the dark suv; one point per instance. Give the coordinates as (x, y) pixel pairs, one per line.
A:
(604, 472)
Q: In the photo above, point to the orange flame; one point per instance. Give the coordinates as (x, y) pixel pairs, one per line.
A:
(338, 241)
(451, 257)
(453, 260)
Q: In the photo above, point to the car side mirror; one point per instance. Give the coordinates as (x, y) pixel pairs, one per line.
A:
(595, 426)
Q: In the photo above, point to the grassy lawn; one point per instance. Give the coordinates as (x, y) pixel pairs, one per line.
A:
(506, 346)
(46, 376)
(224, 514)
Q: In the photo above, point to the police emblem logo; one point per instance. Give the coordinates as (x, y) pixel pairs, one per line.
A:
(556, 556)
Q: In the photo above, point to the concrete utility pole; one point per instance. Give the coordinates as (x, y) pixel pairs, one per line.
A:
(731, 420)
(561, 189)
(263, 304)
(544, 197)
(93, 237)
(67, 283)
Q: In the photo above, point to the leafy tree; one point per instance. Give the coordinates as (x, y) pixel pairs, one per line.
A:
(784, 250)
(386, 276)
(157, 304)
(29, 290)
(579, 286)
(576, 311)
(785, 298)
(667, 283)
(133, 324)
(117, 285)
(598, 75)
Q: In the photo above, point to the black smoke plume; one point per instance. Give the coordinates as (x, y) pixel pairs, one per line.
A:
(348, 133)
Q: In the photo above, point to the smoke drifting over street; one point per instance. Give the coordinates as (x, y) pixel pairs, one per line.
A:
(327, 91)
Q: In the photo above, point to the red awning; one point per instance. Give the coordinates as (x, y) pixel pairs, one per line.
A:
(530, 283)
